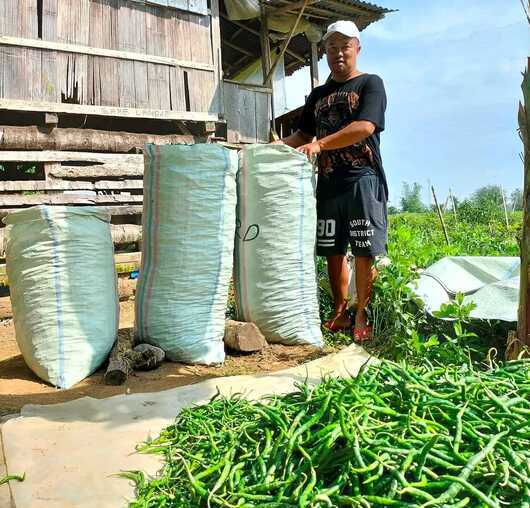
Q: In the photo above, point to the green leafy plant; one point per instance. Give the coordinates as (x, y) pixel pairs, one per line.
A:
(402, 330)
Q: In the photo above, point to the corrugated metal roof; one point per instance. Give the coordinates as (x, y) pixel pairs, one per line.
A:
(320, 13)
(367, 5)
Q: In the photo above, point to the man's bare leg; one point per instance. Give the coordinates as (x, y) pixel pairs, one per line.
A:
(338, 278)
(365, 274)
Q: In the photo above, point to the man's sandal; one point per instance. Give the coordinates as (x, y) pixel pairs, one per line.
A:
(334, 328)
(363, 334)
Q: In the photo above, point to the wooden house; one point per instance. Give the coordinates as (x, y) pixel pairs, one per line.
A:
(85, 83)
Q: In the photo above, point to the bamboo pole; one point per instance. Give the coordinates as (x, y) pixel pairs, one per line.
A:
(454, 204)
(440, 215)
(286, 43)
(505, 209)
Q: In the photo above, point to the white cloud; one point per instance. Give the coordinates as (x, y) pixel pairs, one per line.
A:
(452, 73)
(443, 18)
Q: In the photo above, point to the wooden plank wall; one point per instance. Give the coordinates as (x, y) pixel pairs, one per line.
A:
(110, 180)
(18, 18)
(246, 113)
(45, 75)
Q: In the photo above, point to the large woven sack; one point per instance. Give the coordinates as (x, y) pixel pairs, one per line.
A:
(187, 254)
(276, 283)
(62, 281)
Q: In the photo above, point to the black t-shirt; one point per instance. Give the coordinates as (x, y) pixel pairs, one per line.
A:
(330, 108)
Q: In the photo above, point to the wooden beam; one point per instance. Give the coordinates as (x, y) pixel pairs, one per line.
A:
(352, 9)
(126, 233)
(257, 34)
(266, 65)
(291, 7)
(286, 42)
(236, 33)
(310, 14)
(199, 7)
(11, 201)
(83, 109)
(215, 39)
(110, 53)
(113, 210)
(56, 184)
(239, 48)
(314, 65)
(265, 47)
(51, 119)
(326, 13)
(35, 138)
(123, 210)
(107, 171)
(57, 156)
(250, 86)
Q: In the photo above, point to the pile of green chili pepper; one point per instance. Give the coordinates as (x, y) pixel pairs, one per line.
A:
(392, 436)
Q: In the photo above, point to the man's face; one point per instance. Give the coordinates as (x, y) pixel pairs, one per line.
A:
(341, 52)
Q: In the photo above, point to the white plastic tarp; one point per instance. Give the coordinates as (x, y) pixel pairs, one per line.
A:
(242, 9)
(491, 283)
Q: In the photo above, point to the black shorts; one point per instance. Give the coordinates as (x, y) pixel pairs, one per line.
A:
(357, 217)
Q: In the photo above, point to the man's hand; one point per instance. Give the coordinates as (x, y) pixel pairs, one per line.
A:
(310, 150)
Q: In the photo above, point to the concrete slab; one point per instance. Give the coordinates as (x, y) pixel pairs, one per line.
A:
(70, 452)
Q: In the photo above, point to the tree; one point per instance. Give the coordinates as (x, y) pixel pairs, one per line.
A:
(489, 196)
(392, 210)
(411, 198)
(516, 200)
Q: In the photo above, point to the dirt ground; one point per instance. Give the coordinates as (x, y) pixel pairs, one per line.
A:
(19, 386)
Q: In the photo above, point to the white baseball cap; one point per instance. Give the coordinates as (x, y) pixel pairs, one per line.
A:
(347, 28)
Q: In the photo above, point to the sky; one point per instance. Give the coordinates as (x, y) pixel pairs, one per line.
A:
(452, 72)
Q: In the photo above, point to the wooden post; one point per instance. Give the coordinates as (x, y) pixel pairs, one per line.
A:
(523, 329)
(51, 119)
(454, 204)
(266, 62)
(440, 215)
(505, 209)
(314, 65)
(122, 358)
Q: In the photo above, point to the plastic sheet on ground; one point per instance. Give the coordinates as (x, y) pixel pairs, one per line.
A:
(71, 452)
(491, 283)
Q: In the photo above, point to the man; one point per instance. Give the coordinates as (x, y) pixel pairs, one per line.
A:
(346, 116)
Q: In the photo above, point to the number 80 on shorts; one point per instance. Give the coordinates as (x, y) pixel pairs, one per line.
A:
(326, 228)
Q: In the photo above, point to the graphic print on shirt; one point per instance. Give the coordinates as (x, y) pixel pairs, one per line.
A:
(333, 113)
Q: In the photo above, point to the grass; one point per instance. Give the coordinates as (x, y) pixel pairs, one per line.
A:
(401, 327)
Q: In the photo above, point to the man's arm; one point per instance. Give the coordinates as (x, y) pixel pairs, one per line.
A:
(371, 115)
(353, 133)
(296, 139)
